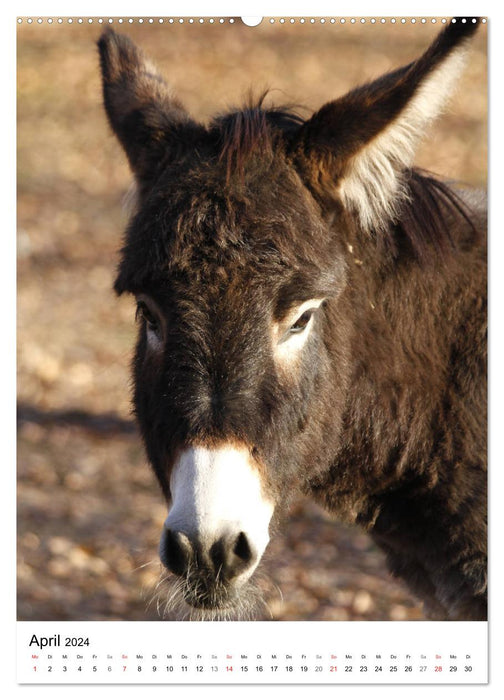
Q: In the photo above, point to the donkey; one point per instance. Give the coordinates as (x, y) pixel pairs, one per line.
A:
(311, 319)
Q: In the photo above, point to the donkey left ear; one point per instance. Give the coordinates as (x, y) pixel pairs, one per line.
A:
(356, 149)
(148, 120)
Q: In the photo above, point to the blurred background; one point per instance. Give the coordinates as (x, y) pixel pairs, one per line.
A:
(89, 509)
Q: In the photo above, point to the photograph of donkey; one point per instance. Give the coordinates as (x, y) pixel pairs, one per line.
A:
(311, 318)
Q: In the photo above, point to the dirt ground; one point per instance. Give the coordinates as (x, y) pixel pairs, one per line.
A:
(89, 510)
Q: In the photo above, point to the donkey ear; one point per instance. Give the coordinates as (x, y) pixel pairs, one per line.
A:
(148, 121)
(356, 149)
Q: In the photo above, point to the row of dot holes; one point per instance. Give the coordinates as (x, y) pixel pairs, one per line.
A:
(301, 20)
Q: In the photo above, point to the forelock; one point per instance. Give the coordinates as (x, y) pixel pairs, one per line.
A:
(252, 132)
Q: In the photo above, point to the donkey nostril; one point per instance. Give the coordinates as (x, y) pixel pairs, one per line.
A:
(242, 548)
(230, 556)
(177, 552)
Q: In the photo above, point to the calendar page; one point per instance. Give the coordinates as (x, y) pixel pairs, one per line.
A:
(251, 350)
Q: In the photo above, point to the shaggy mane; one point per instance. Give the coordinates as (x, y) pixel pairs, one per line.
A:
(426, 217)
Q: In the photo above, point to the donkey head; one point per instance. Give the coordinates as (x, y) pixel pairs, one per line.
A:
(237, 254)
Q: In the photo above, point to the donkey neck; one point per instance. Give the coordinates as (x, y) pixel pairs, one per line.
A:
(408, 324)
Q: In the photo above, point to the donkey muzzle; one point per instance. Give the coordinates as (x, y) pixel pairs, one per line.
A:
(211, 571)
(217, 526)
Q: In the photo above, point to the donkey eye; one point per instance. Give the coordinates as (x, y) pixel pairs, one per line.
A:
(302, 321)
(143, 312)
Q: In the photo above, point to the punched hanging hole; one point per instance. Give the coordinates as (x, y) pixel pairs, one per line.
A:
(251, 21)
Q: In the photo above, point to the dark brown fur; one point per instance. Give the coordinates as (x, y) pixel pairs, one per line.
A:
(384, 421)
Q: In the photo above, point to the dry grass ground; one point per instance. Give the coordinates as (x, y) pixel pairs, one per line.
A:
(89, 511)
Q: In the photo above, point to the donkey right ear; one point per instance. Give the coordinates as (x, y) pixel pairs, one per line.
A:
(357, 149)
(149, 122)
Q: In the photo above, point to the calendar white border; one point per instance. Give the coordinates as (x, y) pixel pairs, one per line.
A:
(313, 653)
